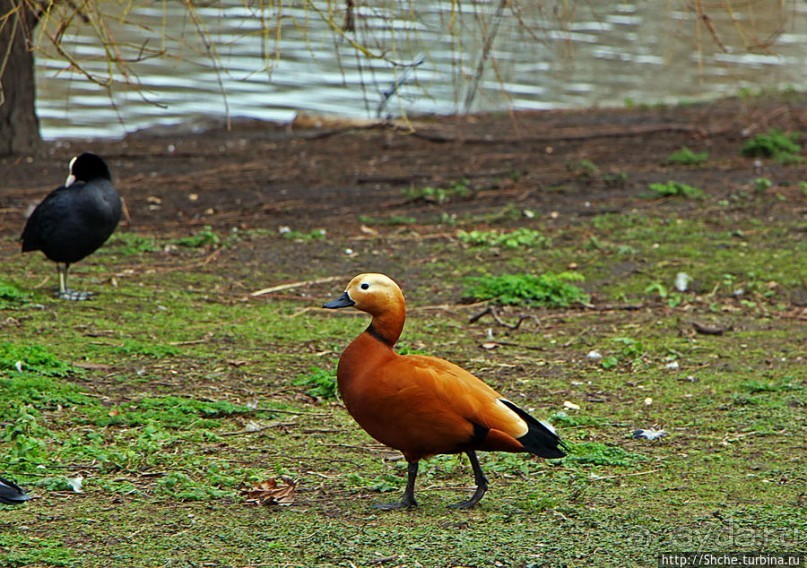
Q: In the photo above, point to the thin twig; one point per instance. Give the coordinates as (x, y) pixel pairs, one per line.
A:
(276, 424)
(575, 135)
(576, 338)
(279, 411)
(495, 315)
(296, 285)
(519, 345)
(350, 24)
(614, 307)
(375, 449)
(708, 330)
(707, 21)
(385, 559)
(486, 48)
(400, 80)
(598, 478)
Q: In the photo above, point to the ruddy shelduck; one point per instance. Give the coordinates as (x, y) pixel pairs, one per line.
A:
(424, 405)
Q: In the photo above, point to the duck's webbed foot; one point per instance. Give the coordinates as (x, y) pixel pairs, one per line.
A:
(475, 498)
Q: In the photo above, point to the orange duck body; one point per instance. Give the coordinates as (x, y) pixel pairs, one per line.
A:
(424, 405)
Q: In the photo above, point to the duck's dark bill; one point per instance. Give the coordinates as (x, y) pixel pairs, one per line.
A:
(342, 301)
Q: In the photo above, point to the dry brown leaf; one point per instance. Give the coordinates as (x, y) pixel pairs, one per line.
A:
(270, 492)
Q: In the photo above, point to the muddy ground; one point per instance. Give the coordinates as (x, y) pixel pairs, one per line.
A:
(261, 175)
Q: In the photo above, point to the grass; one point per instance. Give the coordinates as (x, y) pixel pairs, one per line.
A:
(321, 383)
(11, 296)
(762, 184)
(206, 237)
(303, 236)
(674, 189)
(686, 157)
(173, 411)
(391, 220)
(589, 171)
(439, 195)
(175, 390)
(780, 146)
(624, 350)
(33, 358)
(132, 244)
(583, 169)
(548, 289)
(521, 237)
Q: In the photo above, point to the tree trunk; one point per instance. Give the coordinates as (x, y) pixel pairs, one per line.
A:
(19, 125)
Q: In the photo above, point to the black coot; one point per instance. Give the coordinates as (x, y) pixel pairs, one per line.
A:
(74, 220)
(11, 493)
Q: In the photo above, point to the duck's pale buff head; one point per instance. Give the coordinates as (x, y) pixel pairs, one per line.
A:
(373, 293)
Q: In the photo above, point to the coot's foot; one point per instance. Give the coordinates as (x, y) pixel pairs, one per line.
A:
(73, 295)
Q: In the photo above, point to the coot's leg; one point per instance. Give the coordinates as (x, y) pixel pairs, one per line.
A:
(65, 293)
(59, 292)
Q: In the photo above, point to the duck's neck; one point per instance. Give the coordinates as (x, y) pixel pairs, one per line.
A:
(387, 326)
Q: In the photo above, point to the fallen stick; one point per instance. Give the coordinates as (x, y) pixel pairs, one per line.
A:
(275, 424)
(598, 478)
(495, 315)
(709, 330)
(296, 285)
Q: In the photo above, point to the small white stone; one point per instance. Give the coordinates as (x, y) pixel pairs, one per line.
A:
(682, 280)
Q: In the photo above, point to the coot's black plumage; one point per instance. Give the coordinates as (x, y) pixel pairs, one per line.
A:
(74, 220)
(11, 493)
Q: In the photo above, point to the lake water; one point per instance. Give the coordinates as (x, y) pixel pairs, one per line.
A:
(609, 55)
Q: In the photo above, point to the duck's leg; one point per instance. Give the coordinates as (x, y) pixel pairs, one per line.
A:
(481, 484)
(408, 499)
(65, 293)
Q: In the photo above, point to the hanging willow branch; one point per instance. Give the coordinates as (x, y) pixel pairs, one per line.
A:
(48, 26)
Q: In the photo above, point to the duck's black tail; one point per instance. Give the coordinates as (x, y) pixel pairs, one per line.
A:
(11, 493)
(541, 438)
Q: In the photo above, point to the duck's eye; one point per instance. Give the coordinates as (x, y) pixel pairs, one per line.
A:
(365, 286)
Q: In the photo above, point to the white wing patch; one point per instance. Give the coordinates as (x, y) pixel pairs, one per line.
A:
(548, 426)
(524, 427)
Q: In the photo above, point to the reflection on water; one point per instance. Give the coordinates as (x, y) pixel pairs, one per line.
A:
(603, 56)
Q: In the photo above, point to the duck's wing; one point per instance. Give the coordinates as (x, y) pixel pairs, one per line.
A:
(496, 423)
